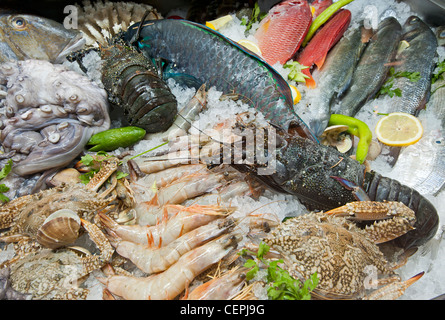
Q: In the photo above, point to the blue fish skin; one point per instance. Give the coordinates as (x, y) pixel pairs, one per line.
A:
(195, 50)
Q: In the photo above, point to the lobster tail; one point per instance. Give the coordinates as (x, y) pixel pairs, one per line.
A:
(133, 83)
(381, 188)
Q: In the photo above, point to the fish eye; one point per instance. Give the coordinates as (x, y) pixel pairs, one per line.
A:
(18, 23)
(414, 20)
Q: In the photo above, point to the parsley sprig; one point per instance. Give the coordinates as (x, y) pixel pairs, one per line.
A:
(3, 173)
(256, 16)
(387, 87)
(439, 72)
(282, 286)
(95, 164)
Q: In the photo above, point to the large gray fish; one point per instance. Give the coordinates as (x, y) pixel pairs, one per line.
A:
(431, 180)
(419, 56)
(25, 36)
(372, 68)
(201, 54)
(335, 77)
(436, 104)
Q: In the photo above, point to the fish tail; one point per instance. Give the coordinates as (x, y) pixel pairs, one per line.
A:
(310, 82)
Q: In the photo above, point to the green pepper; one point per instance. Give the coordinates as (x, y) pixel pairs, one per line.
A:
(112, 139)
(323, 17)
(357, 128)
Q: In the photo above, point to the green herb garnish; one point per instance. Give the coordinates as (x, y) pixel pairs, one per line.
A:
(387, 87)
(295, 74)
(3, 173)
(440, 71)
(256, 16)
(95, 165)
(282, 286)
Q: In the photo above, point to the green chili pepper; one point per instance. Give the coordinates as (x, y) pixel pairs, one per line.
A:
(323, 17)
(357, 128)
(112, 139)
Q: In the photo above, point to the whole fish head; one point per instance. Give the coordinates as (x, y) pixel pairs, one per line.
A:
(31, 37)
(413, 27)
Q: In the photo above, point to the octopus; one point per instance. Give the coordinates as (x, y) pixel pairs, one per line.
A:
(47, 114)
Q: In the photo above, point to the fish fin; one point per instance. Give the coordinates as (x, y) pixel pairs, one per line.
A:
(310, 82)
(319, 63)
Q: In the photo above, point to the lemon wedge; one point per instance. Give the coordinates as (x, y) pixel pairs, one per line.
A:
(252, 46)
(219, 23)
(296, 94)
(312, 10)
(402, 46)
(399, 129)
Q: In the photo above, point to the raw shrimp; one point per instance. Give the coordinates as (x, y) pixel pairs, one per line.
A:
(188, 187)
(148, 213)
(168, 230)
(223, 196)
(154, 260)
(170, 283)
(146, 187)
(220, 288)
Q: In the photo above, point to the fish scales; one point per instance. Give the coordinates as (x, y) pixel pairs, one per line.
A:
(373, 67)
(217, 61)
(419, 56)
(335, 77)
(282, 31)
(317, 49)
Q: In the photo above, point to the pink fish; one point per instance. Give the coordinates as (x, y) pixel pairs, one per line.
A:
(317, 49)
(282, 31)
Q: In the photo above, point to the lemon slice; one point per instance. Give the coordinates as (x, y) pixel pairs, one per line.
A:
(296, 94)
(252, 46)
(219, 23)
(399, 129)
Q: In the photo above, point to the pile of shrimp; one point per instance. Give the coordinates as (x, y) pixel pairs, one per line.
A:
(182, 225)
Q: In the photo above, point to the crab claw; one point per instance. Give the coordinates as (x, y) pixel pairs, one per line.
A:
(394, 290)
(397, 218)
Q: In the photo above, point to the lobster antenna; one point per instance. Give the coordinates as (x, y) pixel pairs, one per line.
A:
(138, 32)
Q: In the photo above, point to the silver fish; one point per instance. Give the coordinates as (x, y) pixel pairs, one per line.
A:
(372, 68)
(335, 77)
(419, 56)
(430, 152)
(436, 104)
(25, 36)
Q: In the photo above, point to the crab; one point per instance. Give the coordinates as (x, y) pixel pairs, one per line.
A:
(44, 227)
(346, 258)
(56, 274)
(44, 216)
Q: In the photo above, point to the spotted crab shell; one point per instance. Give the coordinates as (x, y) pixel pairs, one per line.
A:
(59, 229)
